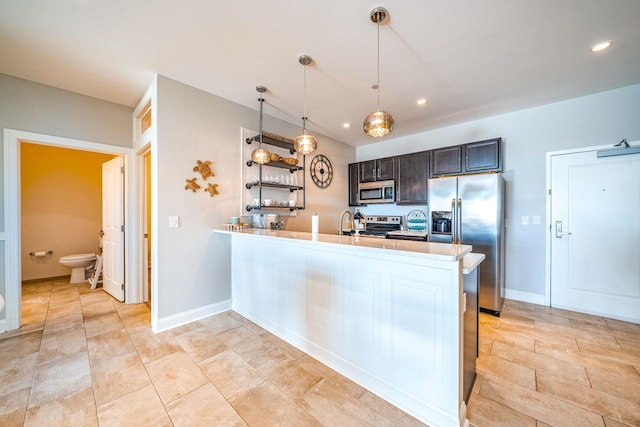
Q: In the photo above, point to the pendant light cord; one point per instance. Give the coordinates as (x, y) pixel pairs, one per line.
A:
(378, 82)
(261, 101)
(304, 107)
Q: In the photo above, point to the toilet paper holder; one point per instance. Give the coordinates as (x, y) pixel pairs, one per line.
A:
(40, 253)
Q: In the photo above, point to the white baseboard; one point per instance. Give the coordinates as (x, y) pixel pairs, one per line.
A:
(524, 296)
(183, 318)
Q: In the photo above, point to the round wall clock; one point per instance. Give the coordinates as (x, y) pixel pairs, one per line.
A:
(321, 171)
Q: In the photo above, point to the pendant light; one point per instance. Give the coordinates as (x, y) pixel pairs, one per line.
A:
(305, 144)
(260, 155)
(378, 123)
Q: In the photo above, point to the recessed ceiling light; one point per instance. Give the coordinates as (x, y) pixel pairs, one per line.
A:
(422, 101)
(600, 46)
(346, 125)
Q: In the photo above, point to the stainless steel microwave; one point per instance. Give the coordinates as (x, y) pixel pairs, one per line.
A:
(377, 192)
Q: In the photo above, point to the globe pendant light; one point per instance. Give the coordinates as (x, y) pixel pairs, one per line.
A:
(379, 123)
(260, 155)
(305, 144)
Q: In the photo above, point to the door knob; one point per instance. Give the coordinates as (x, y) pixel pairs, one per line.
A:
(559, 232)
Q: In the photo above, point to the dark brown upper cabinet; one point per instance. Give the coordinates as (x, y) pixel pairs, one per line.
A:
(353, 184)
(483, 156)
(378, 170)
(474, 157)
(446, 161)
(412, 173)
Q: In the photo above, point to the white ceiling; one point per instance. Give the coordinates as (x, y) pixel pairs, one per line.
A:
(469, 58)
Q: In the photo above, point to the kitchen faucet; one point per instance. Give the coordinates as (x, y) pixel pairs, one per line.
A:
(350, 229)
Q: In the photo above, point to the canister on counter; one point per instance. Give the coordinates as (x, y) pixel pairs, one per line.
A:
(259, 221)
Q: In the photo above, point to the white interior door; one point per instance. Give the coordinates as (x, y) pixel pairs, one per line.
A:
(595, 234)
(113, 228)
(146, 267)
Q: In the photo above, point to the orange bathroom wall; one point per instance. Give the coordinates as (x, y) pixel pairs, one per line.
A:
(61, 206)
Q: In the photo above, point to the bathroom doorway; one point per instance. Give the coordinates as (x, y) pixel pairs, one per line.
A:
(61, 207)
(14, 254)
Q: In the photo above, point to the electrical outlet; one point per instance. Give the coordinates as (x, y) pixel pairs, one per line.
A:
(174, 222)
(536, 220)
(524, 220)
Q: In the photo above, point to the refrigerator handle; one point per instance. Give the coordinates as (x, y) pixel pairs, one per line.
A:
(454, 222)
(459, 220)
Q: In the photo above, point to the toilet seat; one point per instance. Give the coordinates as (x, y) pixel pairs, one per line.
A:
(78, 257)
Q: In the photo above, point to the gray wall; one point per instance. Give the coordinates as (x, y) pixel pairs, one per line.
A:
(194, 263)
(600, 119)
(33, 107)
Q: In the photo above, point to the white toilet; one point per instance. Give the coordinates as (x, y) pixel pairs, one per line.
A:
(78, 264)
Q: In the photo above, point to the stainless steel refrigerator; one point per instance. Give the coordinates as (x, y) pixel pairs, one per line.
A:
(470, 210)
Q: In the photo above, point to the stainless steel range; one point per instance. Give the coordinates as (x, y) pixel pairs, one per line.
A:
(390, 227)
(379, 226)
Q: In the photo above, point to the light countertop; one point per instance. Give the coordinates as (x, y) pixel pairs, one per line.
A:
(427, 250)
(471, 261)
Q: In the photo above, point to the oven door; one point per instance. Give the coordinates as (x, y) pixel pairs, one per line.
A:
(418, 236)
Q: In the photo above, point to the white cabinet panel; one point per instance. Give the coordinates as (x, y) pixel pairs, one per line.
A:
(320, 301)
(390, 323)
(296, 287)
(416, 329)
(360, 317)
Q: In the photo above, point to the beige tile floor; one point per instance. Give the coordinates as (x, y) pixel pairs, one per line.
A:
(82, 358)
(541, 366)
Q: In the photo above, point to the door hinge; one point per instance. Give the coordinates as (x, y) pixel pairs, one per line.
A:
(122, 169)
(549, 192)
(122, 287)
(122, 228)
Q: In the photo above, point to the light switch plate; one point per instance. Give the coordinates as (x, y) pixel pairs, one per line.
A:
(524, 220)
(174, 221)
(536, 220)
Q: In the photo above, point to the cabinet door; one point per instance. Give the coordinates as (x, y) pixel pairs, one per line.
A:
(368, 171)
(386, 168)
(353, 185)
(412, 175)
(483, 156)
(446, 161)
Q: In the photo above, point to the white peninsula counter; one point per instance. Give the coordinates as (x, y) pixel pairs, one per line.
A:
(387, 314)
